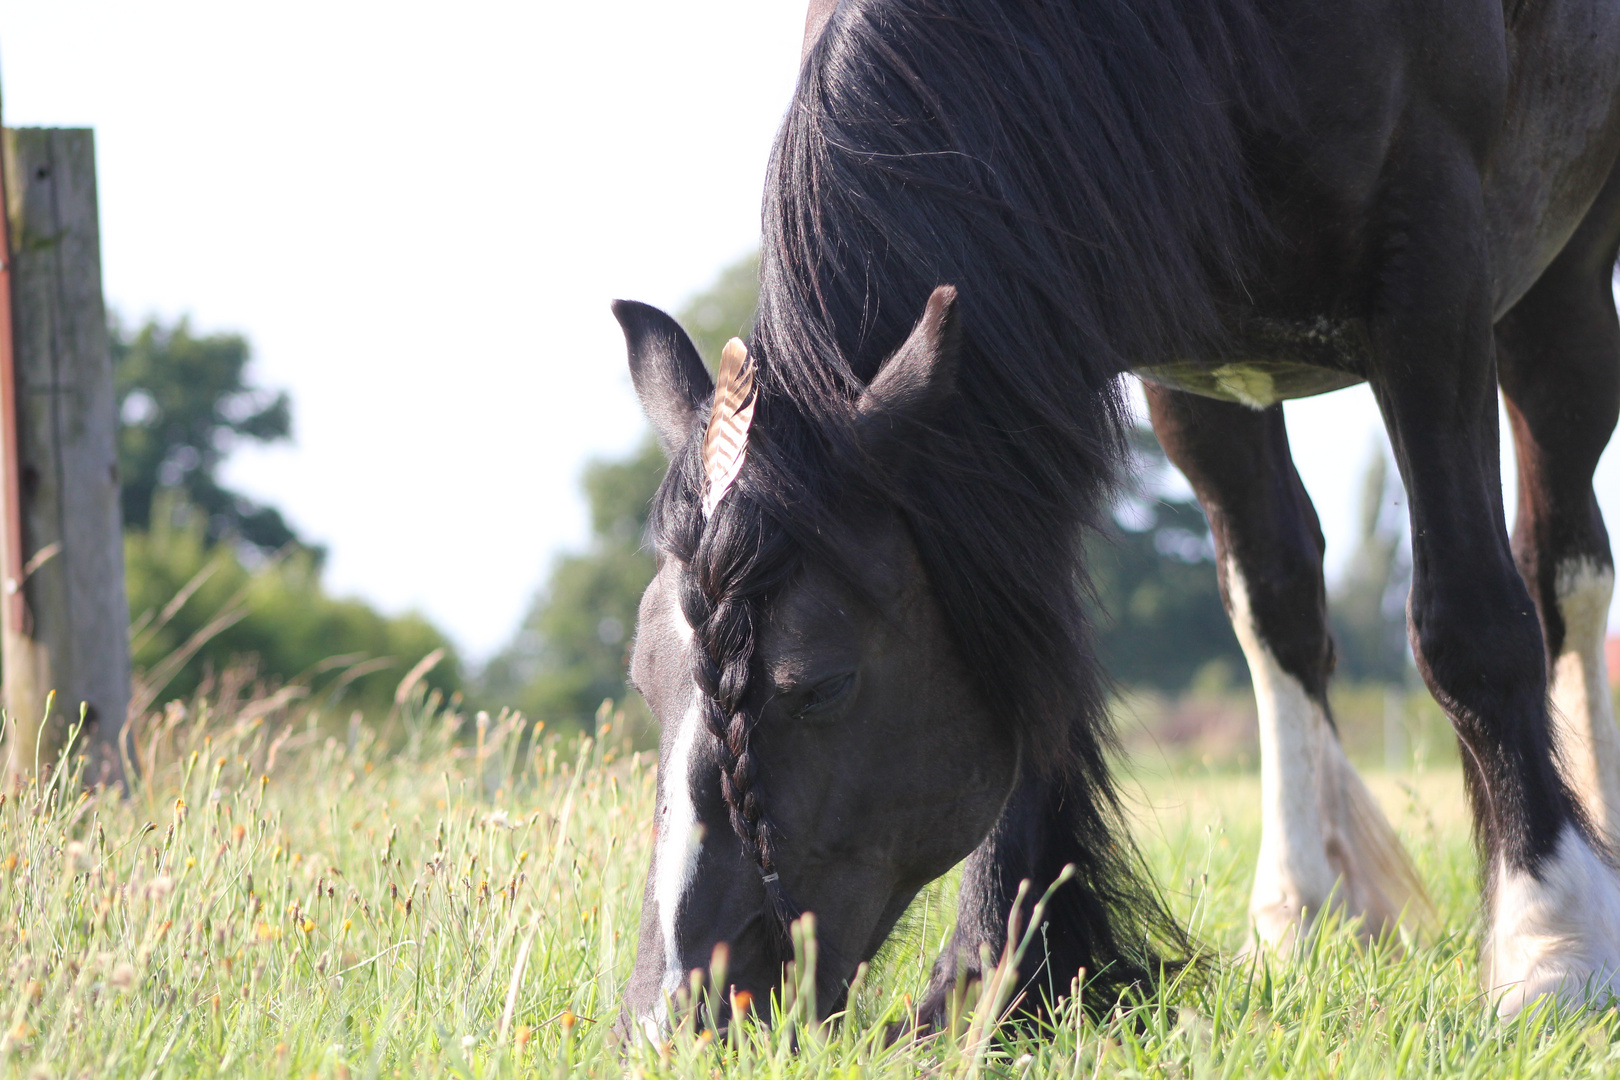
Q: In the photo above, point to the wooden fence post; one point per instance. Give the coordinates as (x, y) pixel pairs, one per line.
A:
(64, 625)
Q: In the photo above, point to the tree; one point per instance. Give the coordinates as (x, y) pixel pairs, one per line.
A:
(724, 310)
(199, 608)
(184, 403)
(198, 611)
(570, 653)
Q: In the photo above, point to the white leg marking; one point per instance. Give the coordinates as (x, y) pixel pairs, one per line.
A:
(1582, 711)
(1293, 875)
(680, 838)
(1321, 831)
(1557, 935)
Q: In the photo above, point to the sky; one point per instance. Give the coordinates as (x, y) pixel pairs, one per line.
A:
(418, 214)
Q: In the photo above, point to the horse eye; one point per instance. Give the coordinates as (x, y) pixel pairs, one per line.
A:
(825, 694)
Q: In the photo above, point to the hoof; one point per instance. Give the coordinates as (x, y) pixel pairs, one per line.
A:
(1275, 924)
(1555, 933)
(1572, 985)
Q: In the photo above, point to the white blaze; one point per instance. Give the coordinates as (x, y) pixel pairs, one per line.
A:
(1582, 713)
(679, 835)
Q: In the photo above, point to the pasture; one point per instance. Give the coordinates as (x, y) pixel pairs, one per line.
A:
(276, 900)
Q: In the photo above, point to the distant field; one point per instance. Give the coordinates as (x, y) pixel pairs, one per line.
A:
(276, 901)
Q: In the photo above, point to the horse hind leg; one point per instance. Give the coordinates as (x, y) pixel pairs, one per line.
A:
(1558, 357)
(1323, 840)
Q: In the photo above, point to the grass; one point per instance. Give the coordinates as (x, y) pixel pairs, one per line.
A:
(458, 898)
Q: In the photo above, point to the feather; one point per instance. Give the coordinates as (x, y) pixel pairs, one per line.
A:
(726, 440)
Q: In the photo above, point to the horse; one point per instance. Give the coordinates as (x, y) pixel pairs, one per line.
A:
(868, 640)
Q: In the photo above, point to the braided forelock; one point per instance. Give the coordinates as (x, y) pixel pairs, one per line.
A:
(735, 562)
(739, 560)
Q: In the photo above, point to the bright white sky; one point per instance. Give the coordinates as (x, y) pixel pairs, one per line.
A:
(418, 214)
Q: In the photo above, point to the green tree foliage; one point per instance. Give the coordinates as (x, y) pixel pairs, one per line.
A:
(216, 580)
(570, 653)
(184, 403)
(1368, 608)
(199, 611)
(1153, 571)
(724, 310)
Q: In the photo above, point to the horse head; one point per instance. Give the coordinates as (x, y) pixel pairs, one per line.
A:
(823, 750)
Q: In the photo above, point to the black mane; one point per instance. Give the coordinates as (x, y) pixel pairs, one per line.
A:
(1090, 218)
(1083, 213)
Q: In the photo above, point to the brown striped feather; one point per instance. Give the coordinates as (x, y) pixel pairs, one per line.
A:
(726, 441)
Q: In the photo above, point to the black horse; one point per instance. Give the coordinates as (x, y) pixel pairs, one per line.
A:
(870, 652)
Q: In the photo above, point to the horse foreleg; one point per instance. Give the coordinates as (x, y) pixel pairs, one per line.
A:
(1323, 841)
(1103, 925)
(1553, 899)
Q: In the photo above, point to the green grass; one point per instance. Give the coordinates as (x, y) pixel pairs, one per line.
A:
(275, 901)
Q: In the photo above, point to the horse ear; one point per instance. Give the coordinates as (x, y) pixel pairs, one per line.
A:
(914, 384)
(668, 374)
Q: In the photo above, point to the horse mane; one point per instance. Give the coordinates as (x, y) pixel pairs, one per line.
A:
(1076, 169)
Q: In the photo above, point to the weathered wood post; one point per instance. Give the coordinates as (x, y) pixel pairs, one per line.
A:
(64, 620)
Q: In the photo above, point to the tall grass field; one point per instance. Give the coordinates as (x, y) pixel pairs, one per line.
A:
(451, 896)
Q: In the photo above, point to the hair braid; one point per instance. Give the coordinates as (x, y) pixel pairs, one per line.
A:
(722, 620)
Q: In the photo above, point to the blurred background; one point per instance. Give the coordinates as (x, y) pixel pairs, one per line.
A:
(358, 259)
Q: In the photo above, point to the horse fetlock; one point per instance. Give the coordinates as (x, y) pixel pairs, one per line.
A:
(1555, 930)
(1353, 862)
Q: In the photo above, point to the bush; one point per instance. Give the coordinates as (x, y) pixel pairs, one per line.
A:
(198, 609)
